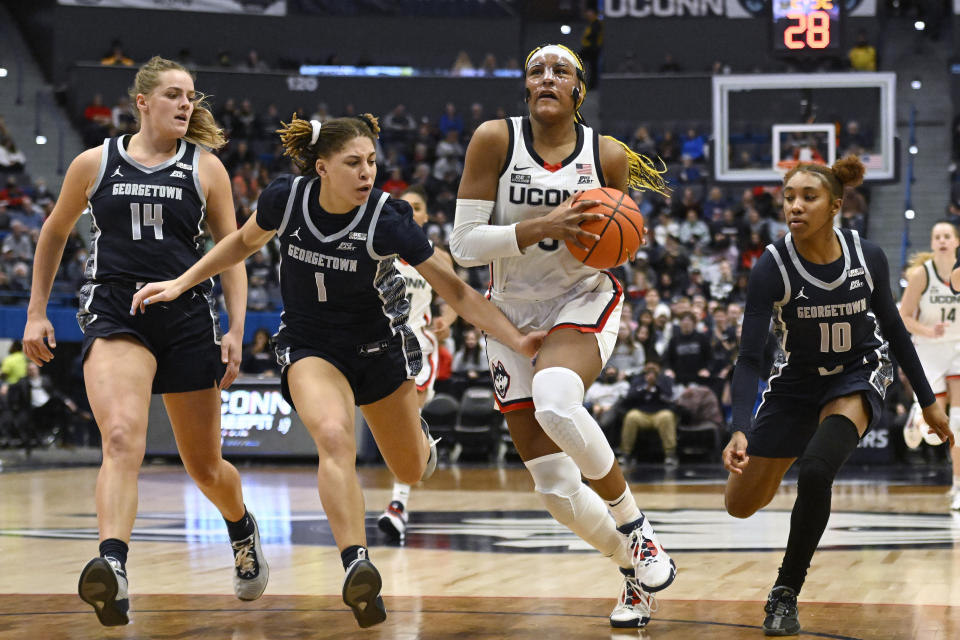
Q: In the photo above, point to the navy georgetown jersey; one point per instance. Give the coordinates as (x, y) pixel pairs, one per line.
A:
(146, 221)
(338, 276)
(826, 326)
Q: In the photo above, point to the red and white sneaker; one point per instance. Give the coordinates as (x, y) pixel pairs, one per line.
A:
(654, 568)
(634, 606)
(393, 521)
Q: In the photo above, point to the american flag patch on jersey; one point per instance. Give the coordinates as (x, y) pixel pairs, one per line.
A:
(584, 169)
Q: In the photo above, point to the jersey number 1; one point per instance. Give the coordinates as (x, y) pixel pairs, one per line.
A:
(152, 217)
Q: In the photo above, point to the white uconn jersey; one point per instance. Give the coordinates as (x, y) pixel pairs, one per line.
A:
(420, 295)
(529, 190)
(938, 304)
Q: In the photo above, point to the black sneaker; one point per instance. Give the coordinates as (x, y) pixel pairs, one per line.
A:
(251, 571)
(103, 585)
(361, 592)
(782, 616)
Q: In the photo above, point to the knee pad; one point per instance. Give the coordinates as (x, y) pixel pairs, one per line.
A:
(955, 425)
(576, 506)
(558, 399)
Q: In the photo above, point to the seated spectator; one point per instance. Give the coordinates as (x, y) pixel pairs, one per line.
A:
(14, 365)
(489, 64)
(399, 125)
(643, 143)
(669, 148)
(627, 357)
(29, 214)
(694, 145)
(258, 359)
(476, 119)
(462, 65)
(862, 55)
(470, 365)
(450, 120)
(12, 160)
(49, 409)
(121, 116)
(18, 244)
(395, 185)
(693, 231)
(648, 405)
(252, 62)
(698, 405)
(688, 353)
(12, 194)
(603, 396)
(98, 118)
(258, 296)
(116, 56)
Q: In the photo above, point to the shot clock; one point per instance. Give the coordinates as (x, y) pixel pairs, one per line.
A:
(804, 28)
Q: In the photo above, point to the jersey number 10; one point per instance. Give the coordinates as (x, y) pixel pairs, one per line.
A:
(152, 217)
(835, 337)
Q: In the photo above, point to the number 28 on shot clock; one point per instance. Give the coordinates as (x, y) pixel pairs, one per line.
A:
(806, 26)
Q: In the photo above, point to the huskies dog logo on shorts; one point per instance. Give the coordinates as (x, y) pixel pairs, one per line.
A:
(501, 379)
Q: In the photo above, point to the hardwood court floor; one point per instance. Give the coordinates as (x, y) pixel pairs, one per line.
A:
(482, 560)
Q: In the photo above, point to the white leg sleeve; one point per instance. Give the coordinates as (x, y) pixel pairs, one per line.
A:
(558, 399)
(577, 506)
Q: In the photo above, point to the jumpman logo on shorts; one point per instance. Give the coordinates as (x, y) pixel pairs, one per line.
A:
(801, 295)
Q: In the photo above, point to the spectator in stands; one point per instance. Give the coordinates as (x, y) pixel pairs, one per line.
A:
(591, 45)
(693, 231)
(12, 160)
(475, 120)
(714, 205)
(489, 64)
(450, 120)
(246, 120)
(398, 125)
(121, 116)
(253, 63)
(258, 359)
(14, 365)
(470, 362)
(321, 113)
(693, 145)
(269, 123)
(462, 65)
(116, 56)
(688, 353)
(668, 148)
(395, 185)
(862, 55)
(669, 65)
(17, 245)
(628, 357)
(648, 405)
(643, 143)
(98, 119)
(12, 194)
(603, 397)
(29, 214)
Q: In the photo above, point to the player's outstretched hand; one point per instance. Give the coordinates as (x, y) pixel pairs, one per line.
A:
(531, 343)
(154, 292)
(938, 422)
(563, 223)
(38, 340)
(735, 456)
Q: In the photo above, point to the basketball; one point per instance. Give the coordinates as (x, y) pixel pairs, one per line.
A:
(621, 233)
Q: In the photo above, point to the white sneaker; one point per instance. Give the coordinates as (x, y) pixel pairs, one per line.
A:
(955, 503)
(434, 455)
(393, 521)
(251, 571)
(634, 606)
(654, 568)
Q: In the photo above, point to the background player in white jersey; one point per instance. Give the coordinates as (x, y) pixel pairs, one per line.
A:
(514, 210)
(429, 331)
(162, 172)
(929, 310)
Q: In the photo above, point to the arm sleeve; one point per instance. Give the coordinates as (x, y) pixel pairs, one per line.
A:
(891, 325)
(474, 242)
(765, 286)
(397, 233)
(272, 203)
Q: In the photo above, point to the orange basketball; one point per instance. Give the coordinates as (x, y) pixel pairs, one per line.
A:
(621, 233)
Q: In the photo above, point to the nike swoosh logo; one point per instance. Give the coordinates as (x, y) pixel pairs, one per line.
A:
(516, 168)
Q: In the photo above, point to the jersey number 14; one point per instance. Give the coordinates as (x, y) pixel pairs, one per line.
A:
(152, 217)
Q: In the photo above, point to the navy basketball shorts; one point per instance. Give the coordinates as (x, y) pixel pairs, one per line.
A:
(373, 370)
(183, 334)
(790, 412)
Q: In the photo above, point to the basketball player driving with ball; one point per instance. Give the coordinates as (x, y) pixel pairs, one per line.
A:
(515, 209)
